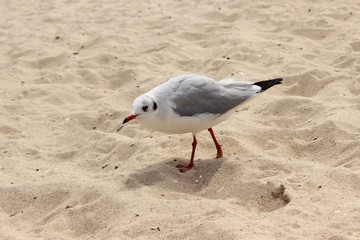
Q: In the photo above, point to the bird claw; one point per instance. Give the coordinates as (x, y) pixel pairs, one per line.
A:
(219, 153)
(183, 168)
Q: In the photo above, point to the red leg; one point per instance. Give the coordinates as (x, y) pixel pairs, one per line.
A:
(218, 146)
(183, 168)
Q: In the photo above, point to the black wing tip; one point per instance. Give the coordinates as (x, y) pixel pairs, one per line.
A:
(268, 83)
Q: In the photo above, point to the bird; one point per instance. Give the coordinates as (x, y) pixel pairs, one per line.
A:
(191, 103)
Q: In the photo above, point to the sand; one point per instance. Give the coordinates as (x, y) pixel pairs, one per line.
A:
(70, 170)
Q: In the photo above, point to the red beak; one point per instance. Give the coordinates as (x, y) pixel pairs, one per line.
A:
(129, 118)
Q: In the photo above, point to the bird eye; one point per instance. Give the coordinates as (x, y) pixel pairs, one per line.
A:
(145, 108)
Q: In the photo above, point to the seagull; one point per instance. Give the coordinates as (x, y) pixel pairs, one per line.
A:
(192, 103)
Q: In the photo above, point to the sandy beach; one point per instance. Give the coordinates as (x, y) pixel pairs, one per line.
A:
(69, 168)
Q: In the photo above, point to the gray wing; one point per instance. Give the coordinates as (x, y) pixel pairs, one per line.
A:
(198, 95)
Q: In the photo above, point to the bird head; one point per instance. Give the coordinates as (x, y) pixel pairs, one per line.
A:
(144, 106)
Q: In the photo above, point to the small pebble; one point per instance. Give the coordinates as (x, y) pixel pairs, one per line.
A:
(155, 228)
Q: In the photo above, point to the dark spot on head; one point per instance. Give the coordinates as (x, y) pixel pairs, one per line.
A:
(155, 106)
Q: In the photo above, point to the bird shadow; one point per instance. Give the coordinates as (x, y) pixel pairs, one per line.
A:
(165, 175)
(207, 180)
